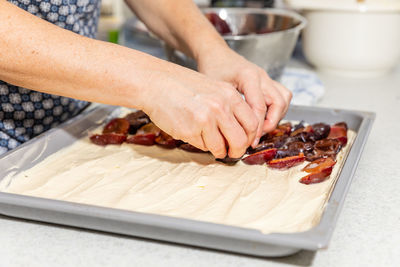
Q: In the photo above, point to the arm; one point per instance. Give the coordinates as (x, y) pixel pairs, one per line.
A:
(179, 23)
(184, 103)
(40, 56)
(185, 28)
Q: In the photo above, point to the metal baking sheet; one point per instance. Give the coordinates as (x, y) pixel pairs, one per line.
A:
(177, 230)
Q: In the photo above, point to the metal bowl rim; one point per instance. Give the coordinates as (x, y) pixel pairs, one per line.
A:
(275, 11)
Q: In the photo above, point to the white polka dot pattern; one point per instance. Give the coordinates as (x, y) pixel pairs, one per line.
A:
(25, 113)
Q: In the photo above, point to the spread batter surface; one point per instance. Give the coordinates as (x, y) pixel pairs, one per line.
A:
(180, 184)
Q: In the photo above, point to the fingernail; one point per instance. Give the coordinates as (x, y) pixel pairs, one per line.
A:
(255, 142)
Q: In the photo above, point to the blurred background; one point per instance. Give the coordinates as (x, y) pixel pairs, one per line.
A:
(115, 12)
(295, 41)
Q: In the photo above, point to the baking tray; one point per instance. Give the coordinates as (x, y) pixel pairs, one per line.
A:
(177, 230)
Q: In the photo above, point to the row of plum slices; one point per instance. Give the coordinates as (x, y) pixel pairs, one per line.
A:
(285, 147)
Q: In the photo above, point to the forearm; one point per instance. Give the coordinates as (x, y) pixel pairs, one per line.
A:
(41, 56)
(180, 23)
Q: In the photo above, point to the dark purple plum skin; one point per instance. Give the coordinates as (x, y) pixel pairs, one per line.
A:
(321, 130)
(229, 161)
(136, 120)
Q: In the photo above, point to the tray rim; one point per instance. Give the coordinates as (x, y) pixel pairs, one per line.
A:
(316, 238)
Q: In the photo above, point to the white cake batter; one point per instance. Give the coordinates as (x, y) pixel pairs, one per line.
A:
(180, 184)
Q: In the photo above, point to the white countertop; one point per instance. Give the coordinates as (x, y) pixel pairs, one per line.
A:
(367, 232)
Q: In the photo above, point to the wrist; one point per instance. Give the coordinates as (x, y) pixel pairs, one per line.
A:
(157, 78)
(210, 50)
(213, 57)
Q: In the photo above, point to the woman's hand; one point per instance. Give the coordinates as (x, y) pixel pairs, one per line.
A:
(264, 95)
(185, 28)
(207, 113)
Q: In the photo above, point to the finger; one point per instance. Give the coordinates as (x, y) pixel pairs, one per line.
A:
(214, 141)
(251, 88)
(285, 92)
(247, 119)
(190, 133)
(198, 142)
(234, 134)
(276, 109)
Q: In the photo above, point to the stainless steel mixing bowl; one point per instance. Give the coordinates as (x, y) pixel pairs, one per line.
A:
(270, 50)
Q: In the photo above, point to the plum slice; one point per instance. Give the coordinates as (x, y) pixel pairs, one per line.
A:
(298, 126)
(300, 147)
(287, 127)
(117, 125)
(301, 129)
(325, 148)
(166, 141)
(319, 165)
(260, 157)
(281, 129)
(332, 146)
(107, 139)
(304, 137)
(189, 148)
(287, 162)
(274, 141)
(136, 120)
(284, 153)
(339, 133)
(149, 128)
(277, 132)
(319, 170)
(318, 154)
(321, 130)
(316, 177)
(145, 135)
(259, 148)
(142, 139)
(279, 141)
(229, 161)
(342, 124)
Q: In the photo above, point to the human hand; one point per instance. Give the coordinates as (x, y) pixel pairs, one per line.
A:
(204, 112)
(264, 95)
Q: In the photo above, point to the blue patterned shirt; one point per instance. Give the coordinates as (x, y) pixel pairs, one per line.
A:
(25, 113)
